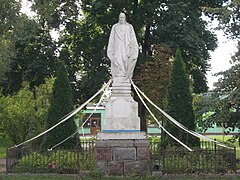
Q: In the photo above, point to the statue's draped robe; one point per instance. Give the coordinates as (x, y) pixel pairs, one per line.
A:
(122, 50)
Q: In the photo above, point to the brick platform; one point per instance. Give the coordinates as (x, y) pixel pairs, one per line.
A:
(122, 157)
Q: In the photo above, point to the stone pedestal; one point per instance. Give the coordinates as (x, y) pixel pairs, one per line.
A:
(121, 110)
(121, 149)
(122, 157)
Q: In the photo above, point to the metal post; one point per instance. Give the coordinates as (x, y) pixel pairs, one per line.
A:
(7, 156)
(235, 161)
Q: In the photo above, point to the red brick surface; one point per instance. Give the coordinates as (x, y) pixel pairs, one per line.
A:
(136, 168)
(143, 153)
(115, 168)
(104, 154)
(141, 143)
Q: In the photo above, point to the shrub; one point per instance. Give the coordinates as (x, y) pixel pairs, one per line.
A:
(60, 161)
(178, 161)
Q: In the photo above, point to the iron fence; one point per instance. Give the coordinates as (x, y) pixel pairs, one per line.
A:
(60, 160)
(209, 159)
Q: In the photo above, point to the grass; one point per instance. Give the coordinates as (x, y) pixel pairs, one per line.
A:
(109, 178)
(2, 152)
(223, 138)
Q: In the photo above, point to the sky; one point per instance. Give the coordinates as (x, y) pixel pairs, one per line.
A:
(220, 58)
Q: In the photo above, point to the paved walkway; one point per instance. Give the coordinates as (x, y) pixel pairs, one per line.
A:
(2, 166)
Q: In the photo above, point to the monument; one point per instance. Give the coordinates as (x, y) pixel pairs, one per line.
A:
(121, 148)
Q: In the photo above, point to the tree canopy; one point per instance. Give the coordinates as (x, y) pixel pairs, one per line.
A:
(175, 23)
(228, 83)
(34, 57)
(9, 13)
(29, 54)
(84, 39)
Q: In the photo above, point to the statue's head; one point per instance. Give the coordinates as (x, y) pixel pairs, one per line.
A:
(122, 18)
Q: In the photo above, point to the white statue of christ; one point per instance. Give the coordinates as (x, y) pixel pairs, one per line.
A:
(122, 49)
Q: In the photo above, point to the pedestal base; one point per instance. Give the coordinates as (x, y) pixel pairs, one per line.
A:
(122, 157)
(121, 114)
(121, 109)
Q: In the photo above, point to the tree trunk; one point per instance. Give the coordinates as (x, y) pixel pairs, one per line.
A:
(146, 44)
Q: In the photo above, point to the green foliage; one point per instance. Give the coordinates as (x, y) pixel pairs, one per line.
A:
(34, 57)
(4, 143)
(179, 101)
(6, 53)
(83, 41)
(211, 109)
(153, 77)
(154, 139)
(173, 23)
(228, 86)
(91, 63)
(59, 161)
(60, 105)
(176, 160)
(228, 16)
(22, 115)
(26, 54)
(9, 11)
(53, 13)
(222, 106)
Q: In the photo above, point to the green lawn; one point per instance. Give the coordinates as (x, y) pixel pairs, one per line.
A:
(222, 138)
(108, 178)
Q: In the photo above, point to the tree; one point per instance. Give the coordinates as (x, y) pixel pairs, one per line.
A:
(174, 23)
(153, 75)
(34, 58)
(228, 16)
(211, 109)
(55, 13)
(229, 87)
(60, 105)
(6, 54)
(19, 119)
(222, 106)
(9, 13)
(85, 40)
(153, 78)
(219, 107)
(179, 101)
(229, 81)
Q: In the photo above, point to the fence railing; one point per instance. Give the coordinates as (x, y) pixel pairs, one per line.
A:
(209, 159)
(59, 160)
